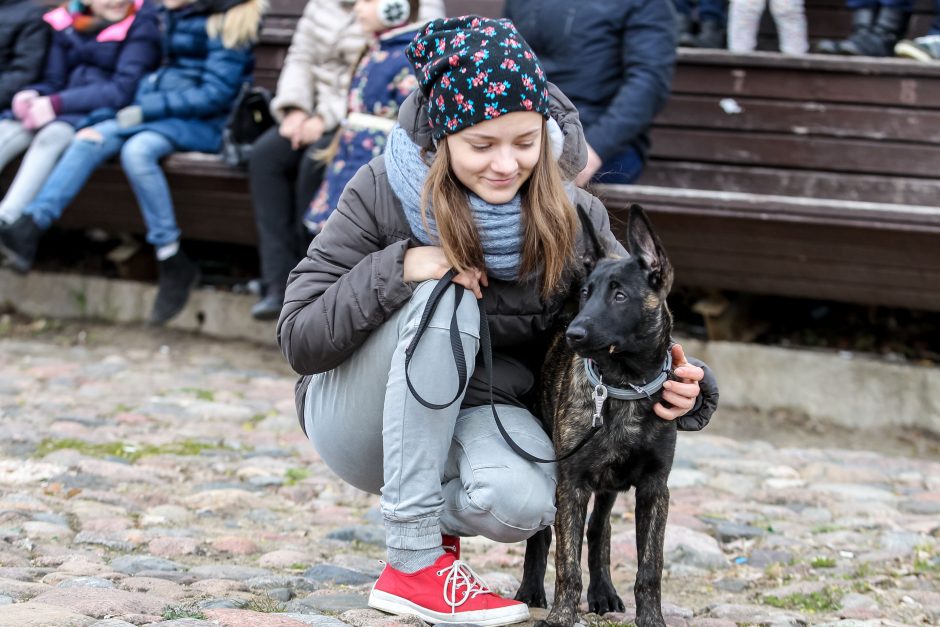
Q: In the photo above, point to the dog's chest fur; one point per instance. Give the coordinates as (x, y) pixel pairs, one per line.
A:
(634, 443)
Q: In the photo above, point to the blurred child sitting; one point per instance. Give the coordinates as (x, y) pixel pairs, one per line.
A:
(100, 50)
(789, 16)
(183, 106)
(382, 80)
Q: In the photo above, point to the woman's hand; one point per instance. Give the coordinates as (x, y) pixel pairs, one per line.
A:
(428, 263)
(680, 394)
(292, 123)
(594, 164)
(310, 131)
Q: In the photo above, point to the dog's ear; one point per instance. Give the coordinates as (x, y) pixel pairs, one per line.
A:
(593, 251)
(644, 244)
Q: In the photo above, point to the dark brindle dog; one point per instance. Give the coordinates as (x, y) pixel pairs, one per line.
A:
(620, 335)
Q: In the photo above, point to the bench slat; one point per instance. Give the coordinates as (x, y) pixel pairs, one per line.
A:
(766, 149)
(788, 182)
(805, 119)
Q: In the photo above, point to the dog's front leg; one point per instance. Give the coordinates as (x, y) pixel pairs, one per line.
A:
(571, 503)
(652, 510)
(601, 596)
(532, 589)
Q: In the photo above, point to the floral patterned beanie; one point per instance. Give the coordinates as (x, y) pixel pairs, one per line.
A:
(473, 69)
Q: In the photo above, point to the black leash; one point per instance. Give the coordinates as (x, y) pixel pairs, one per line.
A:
(486, 347)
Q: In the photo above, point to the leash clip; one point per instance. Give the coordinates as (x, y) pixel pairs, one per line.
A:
(599, 395)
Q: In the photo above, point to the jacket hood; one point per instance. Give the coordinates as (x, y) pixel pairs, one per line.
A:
(413, 118)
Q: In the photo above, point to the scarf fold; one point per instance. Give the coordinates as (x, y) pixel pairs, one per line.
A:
(499, 226)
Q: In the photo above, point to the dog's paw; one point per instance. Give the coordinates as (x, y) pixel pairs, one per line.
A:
(603, 599)
(533, 596)
(560, 617)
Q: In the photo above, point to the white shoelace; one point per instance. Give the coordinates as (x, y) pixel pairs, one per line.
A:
(460, 575)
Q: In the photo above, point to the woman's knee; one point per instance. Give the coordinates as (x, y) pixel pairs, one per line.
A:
(468, 312)
(270, 153)
(512, 502)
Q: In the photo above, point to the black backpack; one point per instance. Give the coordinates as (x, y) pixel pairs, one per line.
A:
(250, 117)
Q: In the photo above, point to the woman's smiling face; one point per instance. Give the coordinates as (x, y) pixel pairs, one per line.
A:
(494, 158)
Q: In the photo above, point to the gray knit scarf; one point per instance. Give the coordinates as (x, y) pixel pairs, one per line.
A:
(499, 226)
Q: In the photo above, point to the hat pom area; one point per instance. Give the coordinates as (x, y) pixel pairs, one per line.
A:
(473, 69)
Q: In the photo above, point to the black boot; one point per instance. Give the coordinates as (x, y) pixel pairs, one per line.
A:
(178, 275)
(19, 242)
(684, 27)
(889, 27)
(269, 307)
(862, 20)
(710, 35)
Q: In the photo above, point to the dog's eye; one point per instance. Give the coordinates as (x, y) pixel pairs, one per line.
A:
(620, 297)
(584, 292)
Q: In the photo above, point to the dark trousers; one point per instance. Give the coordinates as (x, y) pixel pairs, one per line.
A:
(621, 169)
(713, 10)
(283, 181)
(904, 5)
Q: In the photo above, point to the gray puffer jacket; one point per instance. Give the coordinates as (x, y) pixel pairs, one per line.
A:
(351, 281)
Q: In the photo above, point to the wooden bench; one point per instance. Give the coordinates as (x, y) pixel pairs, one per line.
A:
(211, 199)
(812, 177)
(822, 185)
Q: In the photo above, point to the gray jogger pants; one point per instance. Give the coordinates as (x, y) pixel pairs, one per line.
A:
(45, 148)
(437, 470)
(14, 139)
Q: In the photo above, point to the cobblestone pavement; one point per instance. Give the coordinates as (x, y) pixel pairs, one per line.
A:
(163, 479)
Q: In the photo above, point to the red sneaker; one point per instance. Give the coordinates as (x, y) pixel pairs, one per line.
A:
(445, 592)
(451, 544)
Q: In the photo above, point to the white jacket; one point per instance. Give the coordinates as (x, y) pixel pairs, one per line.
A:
(322, 55)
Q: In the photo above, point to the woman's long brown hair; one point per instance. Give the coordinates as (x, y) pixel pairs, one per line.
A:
(548, 219)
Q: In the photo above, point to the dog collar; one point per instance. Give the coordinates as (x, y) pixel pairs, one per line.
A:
(634, 392)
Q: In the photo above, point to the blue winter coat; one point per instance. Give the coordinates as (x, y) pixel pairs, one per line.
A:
(613, 58)
(381, 82)
(88, 71)
(188, 100)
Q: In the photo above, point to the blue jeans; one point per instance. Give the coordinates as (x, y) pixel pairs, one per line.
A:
(621, 169)
(713, 10)
(140, 157)
(904, 5)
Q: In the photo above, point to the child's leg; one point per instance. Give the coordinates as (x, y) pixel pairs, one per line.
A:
(40, 159)
(14, 139)
(790, 18)
(140, 158)
(78, 162)
(743, 23)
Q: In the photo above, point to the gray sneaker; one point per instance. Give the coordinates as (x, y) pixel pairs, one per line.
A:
(926, 48)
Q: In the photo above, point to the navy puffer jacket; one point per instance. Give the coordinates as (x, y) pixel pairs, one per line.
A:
(88, 71)
(613, 58)
(24, 38)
